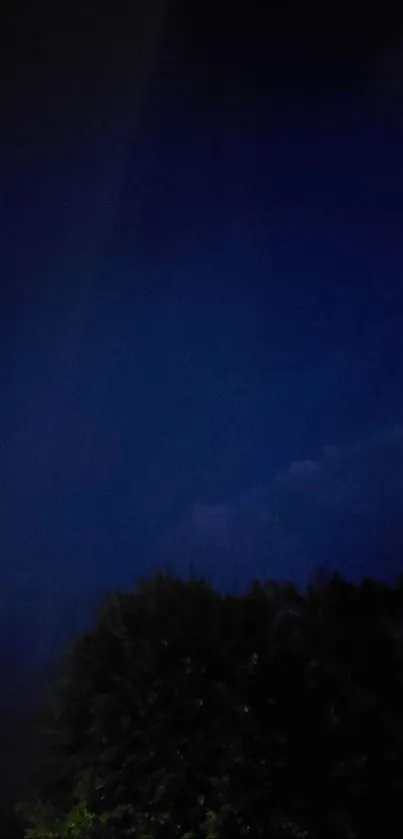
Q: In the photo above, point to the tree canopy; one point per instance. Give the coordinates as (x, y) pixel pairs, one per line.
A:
(189, 713)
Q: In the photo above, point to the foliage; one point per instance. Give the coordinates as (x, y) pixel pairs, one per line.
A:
(193, 714)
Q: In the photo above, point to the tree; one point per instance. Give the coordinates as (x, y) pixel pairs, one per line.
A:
(193, 714)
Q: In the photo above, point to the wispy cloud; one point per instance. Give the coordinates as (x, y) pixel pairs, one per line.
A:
(343, 508)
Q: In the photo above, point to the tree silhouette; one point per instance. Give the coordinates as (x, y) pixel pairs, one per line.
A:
(193, 714)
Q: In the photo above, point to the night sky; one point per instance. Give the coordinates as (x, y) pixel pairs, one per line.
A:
(201, 216)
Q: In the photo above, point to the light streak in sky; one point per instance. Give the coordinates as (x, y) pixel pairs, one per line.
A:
(83, 177)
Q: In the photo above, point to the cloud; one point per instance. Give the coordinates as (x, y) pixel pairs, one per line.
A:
(342, 509)
(211, 519)
(299, 468)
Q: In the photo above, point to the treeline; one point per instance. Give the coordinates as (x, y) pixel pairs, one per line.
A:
(192, 714)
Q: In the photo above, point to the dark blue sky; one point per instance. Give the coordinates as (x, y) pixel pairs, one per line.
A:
(202, 305)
